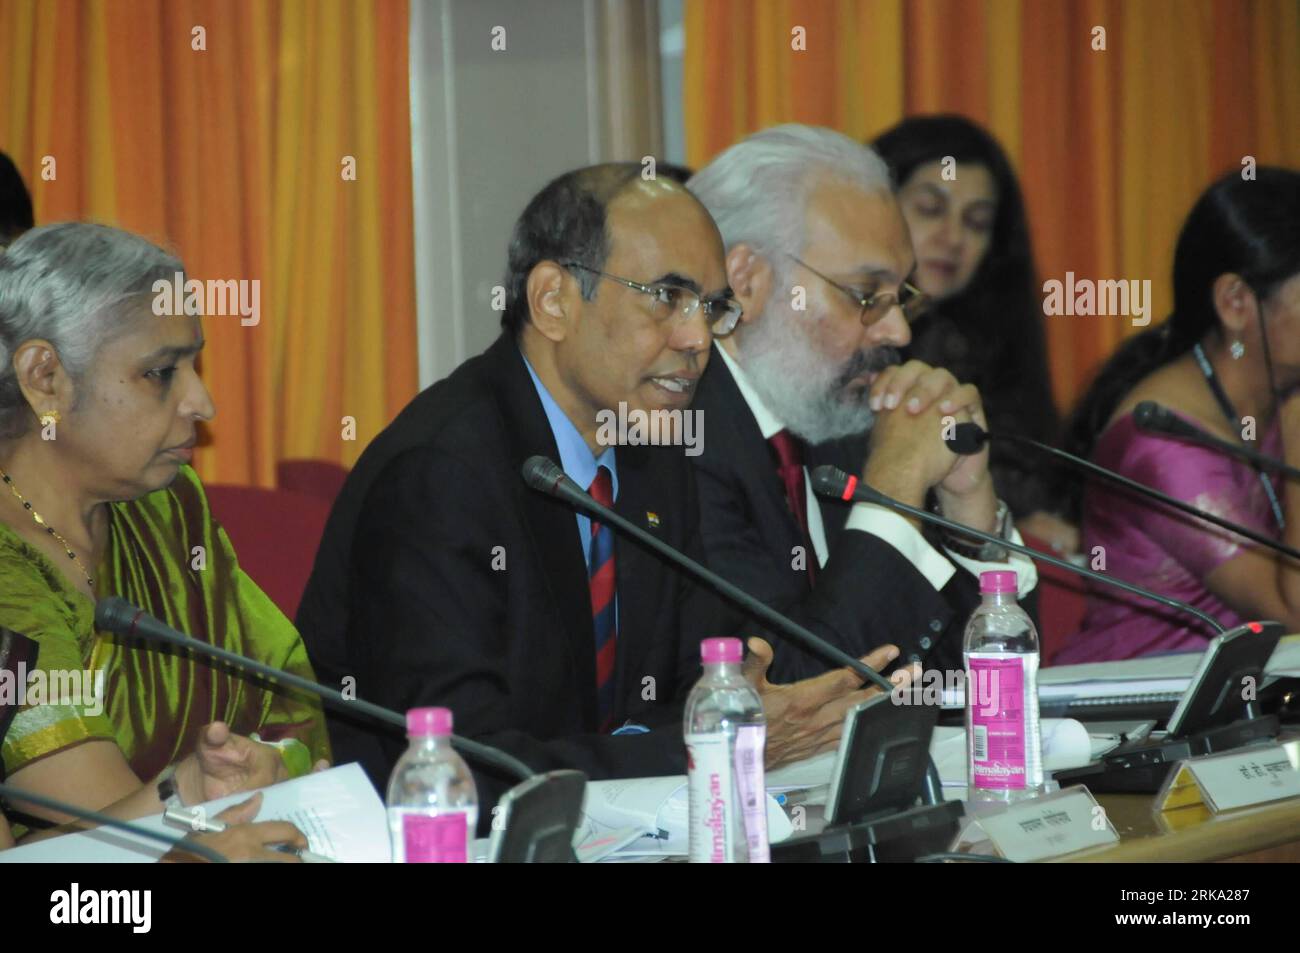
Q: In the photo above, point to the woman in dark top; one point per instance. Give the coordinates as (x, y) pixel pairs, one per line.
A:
(985, 323)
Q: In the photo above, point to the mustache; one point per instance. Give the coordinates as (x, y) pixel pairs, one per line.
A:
(869, 362)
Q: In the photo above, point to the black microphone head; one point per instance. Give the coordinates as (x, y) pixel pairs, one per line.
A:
(542, 473)
(967, 439)
(115, 614)
(1156, 418)
(829, 481)
(1148, 414)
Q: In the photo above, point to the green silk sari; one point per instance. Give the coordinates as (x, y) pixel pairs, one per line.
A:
(167, 555)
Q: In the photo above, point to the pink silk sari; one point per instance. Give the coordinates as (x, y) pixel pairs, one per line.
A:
(1157, 547)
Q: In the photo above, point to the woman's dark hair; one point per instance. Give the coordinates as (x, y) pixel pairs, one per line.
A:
(15, 202)
(991, 332)
(1241, 226)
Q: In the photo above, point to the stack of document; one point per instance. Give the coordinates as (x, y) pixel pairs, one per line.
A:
(338, 810)
(644, 818)
(1154, 678)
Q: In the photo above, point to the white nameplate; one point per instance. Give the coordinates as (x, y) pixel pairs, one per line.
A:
(1050, 826)
(1226, 782)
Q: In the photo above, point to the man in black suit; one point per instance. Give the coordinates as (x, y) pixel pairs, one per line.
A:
(443, 580)
(818, 254)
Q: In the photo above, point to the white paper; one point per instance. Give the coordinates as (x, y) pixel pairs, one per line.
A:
(1163, 674)
(658, 808)
(337, 809)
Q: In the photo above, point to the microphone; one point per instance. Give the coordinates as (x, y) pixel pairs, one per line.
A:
(834, 482)
(545, 475)
(968, 438)
(1154, 418)
(11, 793)
(542, 473)
(114, 614)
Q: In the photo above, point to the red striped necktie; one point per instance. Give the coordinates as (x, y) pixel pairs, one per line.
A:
(604, 617)
(789, 457)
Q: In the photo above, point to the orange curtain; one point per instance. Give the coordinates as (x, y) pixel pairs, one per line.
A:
(1112, 145)
(224, 129)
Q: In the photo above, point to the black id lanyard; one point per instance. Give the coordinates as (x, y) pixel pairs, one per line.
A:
(1234, 422)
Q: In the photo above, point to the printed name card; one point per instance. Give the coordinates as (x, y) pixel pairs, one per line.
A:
(1049, 826)
(1226, 782)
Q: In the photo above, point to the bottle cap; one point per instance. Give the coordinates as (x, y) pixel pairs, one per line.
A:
(998, 580)
(423, 722)
(721, 650)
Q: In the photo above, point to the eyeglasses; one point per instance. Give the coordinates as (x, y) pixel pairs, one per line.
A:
(721, 314)
(911, 300)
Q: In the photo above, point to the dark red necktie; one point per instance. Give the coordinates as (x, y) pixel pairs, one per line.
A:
(603, 607)
(789, 467)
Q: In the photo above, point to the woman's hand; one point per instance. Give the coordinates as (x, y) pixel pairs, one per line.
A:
(226, 763)
(245, 842)
(1053, 530)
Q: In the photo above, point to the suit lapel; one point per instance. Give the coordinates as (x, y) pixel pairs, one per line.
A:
(745, 449)
(551, 524)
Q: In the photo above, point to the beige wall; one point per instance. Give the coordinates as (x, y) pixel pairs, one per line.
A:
(577, 83)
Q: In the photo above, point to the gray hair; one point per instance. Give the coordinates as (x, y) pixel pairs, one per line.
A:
(756, 190)
(65, 283)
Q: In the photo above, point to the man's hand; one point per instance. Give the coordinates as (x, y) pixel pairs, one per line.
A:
(226, 763)
(908, 454)
(806, 718)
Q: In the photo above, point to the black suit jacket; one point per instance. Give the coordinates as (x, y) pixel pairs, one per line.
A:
(442, 579)
(866, 595)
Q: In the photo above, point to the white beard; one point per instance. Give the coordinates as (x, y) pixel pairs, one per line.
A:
(798, 384)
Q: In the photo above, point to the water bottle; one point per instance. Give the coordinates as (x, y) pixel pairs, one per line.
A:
(725, 736)
(432, 803)
(1003, 744)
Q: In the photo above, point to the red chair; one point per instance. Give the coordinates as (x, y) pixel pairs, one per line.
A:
(1062, 598)
(318, 478)
(275, 534)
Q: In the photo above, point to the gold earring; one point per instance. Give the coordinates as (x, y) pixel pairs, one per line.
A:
(50, 417)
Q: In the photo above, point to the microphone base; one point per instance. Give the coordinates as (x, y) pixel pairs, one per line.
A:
(1144, 768)
(900, 837)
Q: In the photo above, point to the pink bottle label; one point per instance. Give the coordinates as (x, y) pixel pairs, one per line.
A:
(997, 716)
(753, 795)
(435, 840)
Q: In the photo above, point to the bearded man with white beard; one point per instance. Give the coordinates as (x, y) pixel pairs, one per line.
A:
(818, 253)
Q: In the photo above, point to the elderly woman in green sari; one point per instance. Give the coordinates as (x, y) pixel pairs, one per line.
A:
(99, 403)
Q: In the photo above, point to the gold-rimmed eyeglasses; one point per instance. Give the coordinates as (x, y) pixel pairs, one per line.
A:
(911, 300)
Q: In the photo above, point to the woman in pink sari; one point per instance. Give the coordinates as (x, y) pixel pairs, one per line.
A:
(1228, 360)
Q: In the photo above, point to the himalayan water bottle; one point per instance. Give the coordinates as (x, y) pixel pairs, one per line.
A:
(1004, 748)
(432, 802)
(725, 736)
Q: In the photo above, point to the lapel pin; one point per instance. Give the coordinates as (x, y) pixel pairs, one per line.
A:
(652, 519)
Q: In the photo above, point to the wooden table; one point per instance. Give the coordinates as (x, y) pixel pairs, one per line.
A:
(1269, 833)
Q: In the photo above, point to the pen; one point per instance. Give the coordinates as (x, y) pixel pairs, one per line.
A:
(187, 817)
(798, 796)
